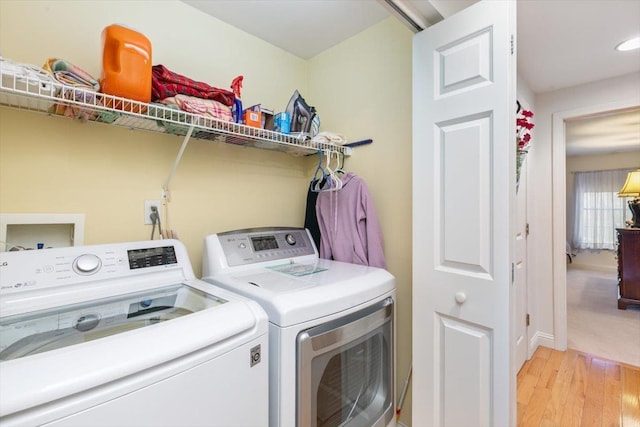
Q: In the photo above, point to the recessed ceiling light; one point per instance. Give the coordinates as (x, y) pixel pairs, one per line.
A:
(630, 44)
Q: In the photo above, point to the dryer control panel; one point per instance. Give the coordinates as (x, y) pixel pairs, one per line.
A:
(256, 245)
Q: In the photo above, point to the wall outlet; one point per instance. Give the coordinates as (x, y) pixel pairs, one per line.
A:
(147, 210)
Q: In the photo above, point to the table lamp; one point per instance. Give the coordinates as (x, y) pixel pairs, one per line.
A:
(631, 188)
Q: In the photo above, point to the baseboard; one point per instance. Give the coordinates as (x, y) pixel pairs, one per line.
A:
(541, 339)
(401, 424)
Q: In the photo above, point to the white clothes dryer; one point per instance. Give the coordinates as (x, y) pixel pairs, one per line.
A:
(124, 334)
(331, 326)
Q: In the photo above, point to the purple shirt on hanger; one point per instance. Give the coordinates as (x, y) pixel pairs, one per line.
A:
(349, 226)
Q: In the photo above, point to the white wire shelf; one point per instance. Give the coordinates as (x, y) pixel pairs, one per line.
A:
(33, 93)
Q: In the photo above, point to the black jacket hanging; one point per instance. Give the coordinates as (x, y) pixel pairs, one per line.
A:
(310, 219)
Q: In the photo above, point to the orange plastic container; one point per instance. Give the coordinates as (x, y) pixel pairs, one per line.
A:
(126, 63)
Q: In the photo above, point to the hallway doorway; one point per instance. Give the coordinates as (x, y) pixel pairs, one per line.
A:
(559, 197)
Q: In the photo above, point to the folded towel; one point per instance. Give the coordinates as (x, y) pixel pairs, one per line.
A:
(70, 74)
(329, 138)
(26, 71)
(84, 89)
(205, 107)
(26, 77)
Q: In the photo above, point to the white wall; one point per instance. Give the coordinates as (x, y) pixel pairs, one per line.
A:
(601, 94)
(525, 94)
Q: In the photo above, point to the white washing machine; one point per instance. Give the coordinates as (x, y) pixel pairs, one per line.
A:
(125, 335)
(331, 326)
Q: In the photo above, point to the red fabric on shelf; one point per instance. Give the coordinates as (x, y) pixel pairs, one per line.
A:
(166, 83)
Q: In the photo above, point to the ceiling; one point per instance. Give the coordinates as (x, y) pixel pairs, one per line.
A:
(606, 133)
(574, 46)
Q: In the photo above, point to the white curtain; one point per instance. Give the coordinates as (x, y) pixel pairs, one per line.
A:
(598, 209)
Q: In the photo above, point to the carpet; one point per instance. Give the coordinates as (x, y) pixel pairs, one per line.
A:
(594, 323)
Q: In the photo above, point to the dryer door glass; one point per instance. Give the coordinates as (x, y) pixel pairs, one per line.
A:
(45, 330)
(345, 370)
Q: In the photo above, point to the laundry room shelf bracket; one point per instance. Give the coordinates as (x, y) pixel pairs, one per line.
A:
(37, 94)
(165, 188)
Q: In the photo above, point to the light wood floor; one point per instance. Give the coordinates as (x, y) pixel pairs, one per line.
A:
(571, 388)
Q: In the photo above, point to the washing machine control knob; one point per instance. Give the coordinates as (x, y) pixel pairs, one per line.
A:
(87, 264)
(290, 239)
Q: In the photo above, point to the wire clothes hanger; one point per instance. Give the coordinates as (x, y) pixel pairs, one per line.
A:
(336, 182)
(340, 169)
(320, 176)
(324, 177)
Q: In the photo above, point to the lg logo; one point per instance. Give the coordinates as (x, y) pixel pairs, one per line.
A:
(4, 264)
(255, 355)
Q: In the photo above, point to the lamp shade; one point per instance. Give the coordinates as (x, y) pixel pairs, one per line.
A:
(631, 187)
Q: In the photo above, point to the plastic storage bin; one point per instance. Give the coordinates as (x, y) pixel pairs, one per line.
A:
(126, 63)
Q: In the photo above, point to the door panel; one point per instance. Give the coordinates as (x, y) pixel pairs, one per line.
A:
(464, 240)
(463, 219)
(464, 379)
(462, 63)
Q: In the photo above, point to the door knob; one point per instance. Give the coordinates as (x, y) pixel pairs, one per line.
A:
(461, 297)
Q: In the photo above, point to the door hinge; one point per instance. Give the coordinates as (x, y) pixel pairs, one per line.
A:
(512, 47)
(528, 319)
(513, 273)
(527, 230)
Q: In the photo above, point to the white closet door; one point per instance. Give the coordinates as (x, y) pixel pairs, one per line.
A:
(464, 219)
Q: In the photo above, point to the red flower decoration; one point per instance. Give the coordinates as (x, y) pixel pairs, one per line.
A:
(523, 126)
(523, 138)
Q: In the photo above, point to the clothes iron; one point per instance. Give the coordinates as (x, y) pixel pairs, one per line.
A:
(302, 115)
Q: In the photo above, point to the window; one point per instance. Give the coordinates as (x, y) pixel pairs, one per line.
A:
(599, 210)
